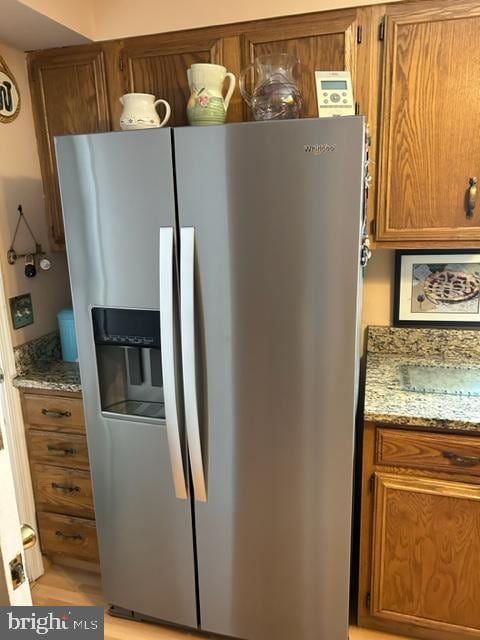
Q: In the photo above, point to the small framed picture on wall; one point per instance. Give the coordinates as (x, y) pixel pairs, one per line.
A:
(437, 288)
(9, 95)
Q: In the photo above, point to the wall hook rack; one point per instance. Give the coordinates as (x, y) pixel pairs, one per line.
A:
(30, 258)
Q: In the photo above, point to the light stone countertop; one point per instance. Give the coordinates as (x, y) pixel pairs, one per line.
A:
(55, 375)
(386, 402)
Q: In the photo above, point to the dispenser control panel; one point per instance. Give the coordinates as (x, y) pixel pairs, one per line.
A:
(126, 327)
(139, 341)
(334, 93)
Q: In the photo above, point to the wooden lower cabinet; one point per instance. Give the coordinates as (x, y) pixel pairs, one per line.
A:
(60, 449)
(426, 548)
(54, 413)
(64, 536)
(420, 537)
(58, 454)
(63, 490)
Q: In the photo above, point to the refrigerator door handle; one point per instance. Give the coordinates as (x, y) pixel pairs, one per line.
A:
(187, 324)
(167, 342)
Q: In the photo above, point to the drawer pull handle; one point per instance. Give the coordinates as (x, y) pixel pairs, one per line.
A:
(462, 461)
(61, 451)
(56, 414)
(472, 197)
(68, 536)
(66, 488)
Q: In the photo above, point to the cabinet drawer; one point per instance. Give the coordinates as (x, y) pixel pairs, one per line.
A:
(68, 536)
(55, 413)
(63, 490)
(60, 449)
(435, 451)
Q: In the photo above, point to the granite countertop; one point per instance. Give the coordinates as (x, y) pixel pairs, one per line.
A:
(55, 375)
(39, 366)
(388, 403)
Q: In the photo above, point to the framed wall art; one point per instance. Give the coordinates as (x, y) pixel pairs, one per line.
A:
(437, 288)
(9, 95)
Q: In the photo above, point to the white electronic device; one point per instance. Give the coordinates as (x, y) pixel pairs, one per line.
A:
(334, 93)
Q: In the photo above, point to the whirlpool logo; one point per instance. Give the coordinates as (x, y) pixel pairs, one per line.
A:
(32, 622)
(319, 149)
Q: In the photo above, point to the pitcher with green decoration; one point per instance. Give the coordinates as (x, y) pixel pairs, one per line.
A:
(206, 104)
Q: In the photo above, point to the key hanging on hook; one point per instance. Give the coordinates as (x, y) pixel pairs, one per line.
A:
(32, 256)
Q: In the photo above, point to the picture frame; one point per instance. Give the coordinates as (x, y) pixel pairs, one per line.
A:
(437, 288)
(9, 95)
(21, 311)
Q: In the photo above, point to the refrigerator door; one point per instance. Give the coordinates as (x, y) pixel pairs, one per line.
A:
(117, 192)
(274, 212)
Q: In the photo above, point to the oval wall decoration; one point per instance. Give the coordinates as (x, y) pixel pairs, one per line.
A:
(9, 94)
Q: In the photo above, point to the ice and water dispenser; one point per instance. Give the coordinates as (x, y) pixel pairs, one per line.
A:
(129, 363)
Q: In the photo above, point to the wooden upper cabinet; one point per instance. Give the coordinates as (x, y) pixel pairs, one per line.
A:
(430, 119)
(322, 41)
(158, 65)
(426, 554)
(69, 95)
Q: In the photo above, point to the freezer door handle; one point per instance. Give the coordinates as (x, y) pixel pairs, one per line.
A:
(187, 324)
(167, 341)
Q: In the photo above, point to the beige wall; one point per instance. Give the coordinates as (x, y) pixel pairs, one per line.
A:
(109, 19)
(77, 15)
(119, 18)
(20, 183)
(378, 289)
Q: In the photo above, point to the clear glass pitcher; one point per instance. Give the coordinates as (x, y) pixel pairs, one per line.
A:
(275, 95)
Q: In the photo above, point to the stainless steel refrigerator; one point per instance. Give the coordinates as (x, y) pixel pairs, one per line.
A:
(216, 286)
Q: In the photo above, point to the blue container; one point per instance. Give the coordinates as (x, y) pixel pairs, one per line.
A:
(68, 338)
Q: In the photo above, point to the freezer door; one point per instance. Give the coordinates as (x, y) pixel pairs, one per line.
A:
(273, 211)
(117, 192)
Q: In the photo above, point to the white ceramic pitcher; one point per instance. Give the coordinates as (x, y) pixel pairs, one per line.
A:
(207, 104)
(139, 111)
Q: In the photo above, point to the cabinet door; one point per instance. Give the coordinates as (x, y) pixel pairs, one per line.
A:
(430, 118)
(426, 553)
(69, 96)
(158, 65)
(323, 42)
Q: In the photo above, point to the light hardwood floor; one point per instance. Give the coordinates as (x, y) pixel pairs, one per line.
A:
(67, 586)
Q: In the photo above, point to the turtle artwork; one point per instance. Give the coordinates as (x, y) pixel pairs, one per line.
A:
(451, 287)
